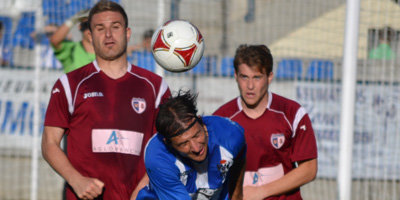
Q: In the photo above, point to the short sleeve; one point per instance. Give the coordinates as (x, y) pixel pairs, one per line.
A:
(304, 143)
(166, 183)
(57, 113)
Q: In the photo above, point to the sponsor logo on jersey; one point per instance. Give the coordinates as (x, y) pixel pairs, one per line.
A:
(223, 167)
(92, 94)
(303, 127)
(277, 140)
(138, 105)
(255, 178)
(207, 193)
(115, 138)
(116, 141)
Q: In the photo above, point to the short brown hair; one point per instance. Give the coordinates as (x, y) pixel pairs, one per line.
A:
(258, 56)
(103, 6)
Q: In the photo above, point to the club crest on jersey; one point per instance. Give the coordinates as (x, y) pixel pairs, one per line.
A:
(223, 167)
(139, 105)
(277, 140)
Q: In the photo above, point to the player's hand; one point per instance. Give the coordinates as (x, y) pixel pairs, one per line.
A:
(251, 193)
(78, 17)
(88, 188)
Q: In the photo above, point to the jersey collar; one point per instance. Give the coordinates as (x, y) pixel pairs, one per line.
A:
(96, 65)
(239, 101)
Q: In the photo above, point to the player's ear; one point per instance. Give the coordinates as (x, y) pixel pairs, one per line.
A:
(128, 33)
(89, 35)
(270, 77)
(235, 75)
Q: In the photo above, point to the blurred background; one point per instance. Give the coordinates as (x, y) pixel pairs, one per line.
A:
(306, 38)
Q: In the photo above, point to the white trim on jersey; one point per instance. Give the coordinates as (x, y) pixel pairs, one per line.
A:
(163, 89)
(299, 115)
(239, 110)
(269, 99)
(96, 65)
(147, 80)
(129, 67)
(67, 90)
(202, 174)
(225, 154)
(280, 112)
(239, 103)
(79, 84)
(182, 169)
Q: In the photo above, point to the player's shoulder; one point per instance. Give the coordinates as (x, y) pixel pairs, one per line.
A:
(80, 74)
(221, 128)
(144, 73)
(83, 71)
(283, 104)
(157, 154)
(228, 109)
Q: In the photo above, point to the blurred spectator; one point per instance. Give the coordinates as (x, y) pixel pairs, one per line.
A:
(5, 41)
(383, 51)
(2, 62)
(48, 59)
(141, 54)
(71, 54)
(145, 45)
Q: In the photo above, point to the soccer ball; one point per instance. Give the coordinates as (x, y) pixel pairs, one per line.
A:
(177, 45)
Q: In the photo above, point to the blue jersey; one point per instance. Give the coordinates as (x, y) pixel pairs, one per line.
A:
(176, 177)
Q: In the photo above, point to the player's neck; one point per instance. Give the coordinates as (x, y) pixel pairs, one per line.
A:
(255, 111)
(115, 68)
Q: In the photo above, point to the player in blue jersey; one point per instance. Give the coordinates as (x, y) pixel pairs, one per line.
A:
(193, 157)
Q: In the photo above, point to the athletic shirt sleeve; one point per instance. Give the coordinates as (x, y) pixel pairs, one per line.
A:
(226, 128)
(304, 142)
(163, 174)
(166, 183)
(57, 113)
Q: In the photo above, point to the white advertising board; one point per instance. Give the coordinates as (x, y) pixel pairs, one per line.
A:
(376, 129)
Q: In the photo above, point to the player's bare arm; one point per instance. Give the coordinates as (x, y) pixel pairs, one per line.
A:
(143, 182)
(236, 183)
(304, 173)
(84, 187)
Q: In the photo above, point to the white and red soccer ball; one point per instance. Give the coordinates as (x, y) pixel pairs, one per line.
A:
(177, 45)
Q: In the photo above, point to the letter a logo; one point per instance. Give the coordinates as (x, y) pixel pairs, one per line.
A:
(113, 137)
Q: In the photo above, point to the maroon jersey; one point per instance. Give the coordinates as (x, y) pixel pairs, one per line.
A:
(108, 123)
(275, 140)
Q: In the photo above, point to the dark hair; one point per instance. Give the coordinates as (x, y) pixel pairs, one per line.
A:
(148, 33)
(84, 25)
(258, 56)
(175, 113)
(386, 34)
(103, 6)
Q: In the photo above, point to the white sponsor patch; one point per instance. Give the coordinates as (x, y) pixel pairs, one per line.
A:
(116, 141)
(263, 175)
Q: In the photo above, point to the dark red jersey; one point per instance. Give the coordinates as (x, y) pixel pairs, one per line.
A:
(275, 140)
(108, 123)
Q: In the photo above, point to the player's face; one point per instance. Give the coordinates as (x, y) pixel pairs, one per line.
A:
(109, 35)
(193, 143)
(253, 85)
